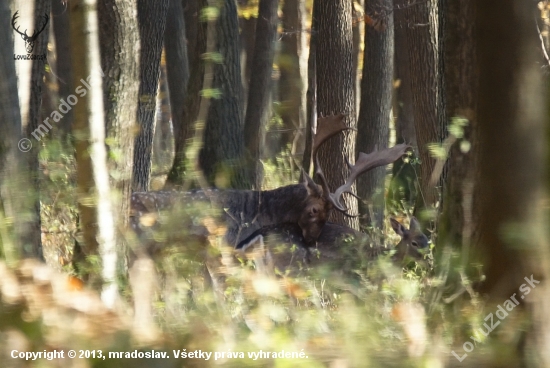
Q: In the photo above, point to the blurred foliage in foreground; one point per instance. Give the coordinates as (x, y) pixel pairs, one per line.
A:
(367, 313)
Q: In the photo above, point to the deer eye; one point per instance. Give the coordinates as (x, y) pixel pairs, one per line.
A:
(414, 244)
(314, 211)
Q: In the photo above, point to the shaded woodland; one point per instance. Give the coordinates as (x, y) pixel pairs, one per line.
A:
(355, 183)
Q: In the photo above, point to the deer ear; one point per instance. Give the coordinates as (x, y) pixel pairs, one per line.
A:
(307, 181)
(415, 225)
(397, 227)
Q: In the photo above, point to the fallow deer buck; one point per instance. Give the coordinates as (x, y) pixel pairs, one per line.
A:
(306, 205)
(333, 242)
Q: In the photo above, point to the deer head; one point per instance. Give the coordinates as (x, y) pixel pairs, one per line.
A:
(29, 40)
(320, 199)
(413, 242)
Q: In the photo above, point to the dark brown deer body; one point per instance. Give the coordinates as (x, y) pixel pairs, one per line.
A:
(247, 211)
(306, 205)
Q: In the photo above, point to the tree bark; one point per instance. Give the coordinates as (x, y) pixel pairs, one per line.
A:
(248, 39)
(403, 186)
(152, 23)
(426, 67)
(292, 84)
(14, 173)
(336, 94)
(513, 106)
(163, 132)
(376, 107)
(222, 152)
(311, 95)
(120, 44)
(33, 239)
(64, 73)
(260, 87)
(177, 68)
(196, 32)
(461, 82)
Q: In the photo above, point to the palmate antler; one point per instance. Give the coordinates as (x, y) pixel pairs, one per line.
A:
(328, 127)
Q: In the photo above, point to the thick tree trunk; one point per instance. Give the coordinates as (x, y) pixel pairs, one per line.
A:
(460, 202)
(177, 68)
(119, 40)
(33, 239)
(152, 23)
(292, 84)
(376, 107)
(63, 63)
(14, 173)
(336, 94)
(259, 89)
(221, 155)
(426, 67)
(196, 32)
(513, 109)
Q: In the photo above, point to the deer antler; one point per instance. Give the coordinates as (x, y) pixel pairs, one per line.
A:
(364, 163)
(15, 16)
(25, 36)
(328, 127)
(36, 33)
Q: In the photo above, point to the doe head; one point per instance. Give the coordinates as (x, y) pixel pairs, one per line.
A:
(414, 244)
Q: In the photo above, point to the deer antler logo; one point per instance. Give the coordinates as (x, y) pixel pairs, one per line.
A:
(29, 40)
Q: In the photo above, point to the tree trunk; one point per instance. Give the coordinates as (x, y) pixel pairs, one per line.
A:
(64, 71)
(426, 67)
(96, 212)
(292, 84)
(311, 95)
(161, 143)
(177, 68)
(259, 89)
(14, 173)
(26, 19)
(248, 39)
(33, 239)
(358, 41)
(336, 94)
(404, 182)
(221, 155)
(196, 32)
(376, 106)
(119, 40)
(513, 109)
(152, 23)
(459, 216)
